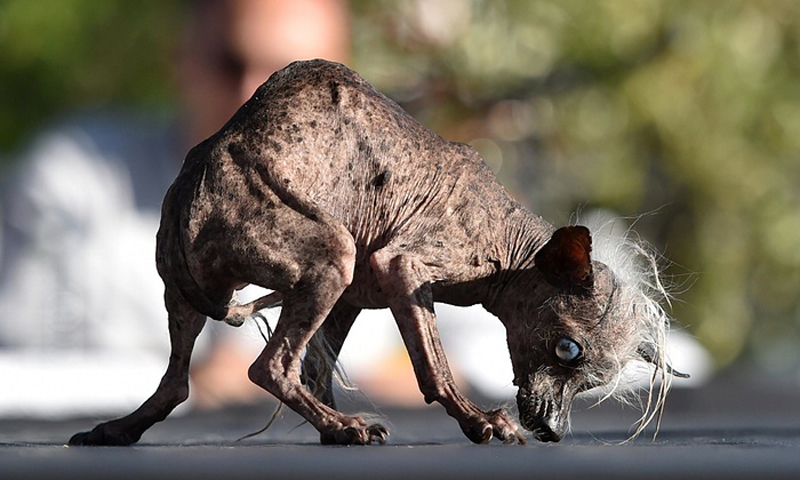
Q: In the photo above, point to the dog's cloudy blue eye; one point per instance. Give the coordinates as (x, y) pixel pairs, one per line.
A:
(567, 350)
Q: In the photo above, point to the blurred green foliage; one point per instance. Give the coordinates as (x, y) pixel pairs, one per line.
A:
(687, 109)
(58, 55)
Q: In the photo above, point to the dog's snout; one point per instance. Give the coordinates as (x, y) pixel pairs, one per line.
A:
(542, 418)
(546, 429)
(544, 433)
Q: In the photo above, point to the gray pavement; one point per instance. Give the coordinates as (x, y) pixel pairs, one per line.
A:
(732, 428)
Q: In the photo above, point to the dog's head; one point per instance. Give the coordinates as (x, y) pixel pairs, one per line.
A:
(578, 332)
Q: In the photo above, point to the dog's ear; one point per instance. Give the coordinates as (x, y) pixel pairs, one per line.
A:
(565, 259)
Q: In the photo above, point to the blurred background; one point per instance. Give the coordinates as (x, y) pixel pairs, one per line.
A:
(683, 116)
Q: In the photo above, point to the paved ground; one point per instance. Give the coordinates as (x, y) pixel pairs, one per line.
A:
(729, 429)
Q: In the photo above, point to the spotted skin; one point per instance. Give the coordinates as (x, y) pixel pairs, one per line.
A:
(325, 191)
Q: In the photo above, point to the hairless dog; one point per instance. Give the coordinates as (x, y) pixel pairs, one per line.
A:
(326, 192)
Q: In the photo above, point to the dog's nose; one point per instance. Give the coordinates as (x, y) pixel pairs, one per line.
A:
(544, 433)
(546, 424)
(542, 416)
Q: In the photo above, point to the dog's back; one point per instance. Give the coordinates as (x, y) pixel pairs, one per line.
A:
(318, 139)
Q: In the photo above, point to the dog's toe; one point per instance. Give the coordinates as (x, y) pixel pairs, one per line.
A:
(80, 438)
(355, 435)
(377, 433)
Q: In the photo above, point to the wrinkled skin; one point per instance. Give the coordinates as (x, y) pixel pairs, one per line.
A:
(548, 384)
(325, 191)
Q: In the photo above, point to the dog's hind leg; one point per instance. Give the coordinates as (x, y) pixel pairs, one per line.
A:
(277, 370)
(326, 259)
(184, 326)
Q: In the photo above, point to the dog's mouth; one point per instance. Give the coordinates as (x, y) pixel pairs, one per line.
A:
(543, 417)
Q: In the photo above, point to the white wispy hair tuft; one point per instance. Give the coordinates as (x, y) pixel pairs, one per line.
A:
(638, 268)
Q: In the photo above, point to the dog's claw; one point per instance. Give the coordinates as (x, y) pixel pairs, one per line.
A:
(515, 438)
(356, 435)
(377, 433)
(494, 424)
(487, 434)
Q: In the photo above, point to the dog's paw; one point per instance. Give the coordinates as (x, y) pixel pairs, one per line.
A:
(100, 436)
(495, 424)
(355, 435)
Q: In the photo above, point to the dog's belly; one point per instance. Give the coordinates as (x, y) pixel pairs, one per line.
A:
(364, 291)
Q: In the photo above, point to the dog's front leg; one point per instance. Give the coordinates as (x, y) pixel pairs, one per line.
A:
(404, 280)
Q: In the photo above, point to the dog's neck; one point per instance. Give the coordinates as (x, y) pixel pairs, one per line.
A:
(516, 279)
